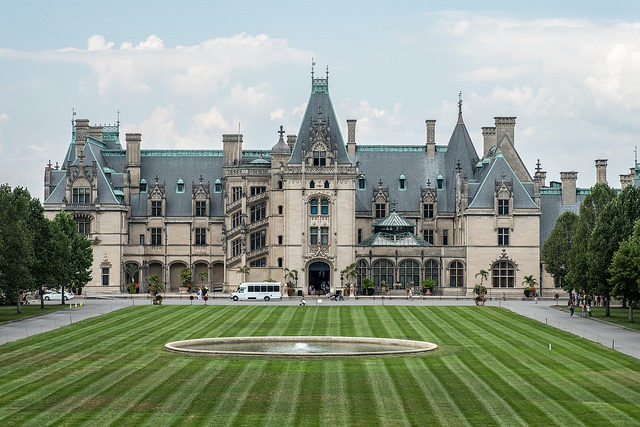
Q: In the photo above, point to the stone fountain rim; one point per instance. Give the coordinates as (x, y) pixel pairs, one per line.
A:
(409, 346)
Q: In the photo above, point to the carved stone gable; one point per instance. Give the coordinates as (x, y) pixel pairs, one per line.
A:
(200, 190)
(158, 191)
(504, 189)
(380, 194)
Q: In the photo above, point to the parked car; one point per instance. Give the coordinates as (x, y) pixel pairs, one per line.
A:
(57, 296)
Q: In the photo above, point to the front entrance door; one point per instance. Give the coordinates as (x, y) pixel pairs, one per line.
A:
(319, 277)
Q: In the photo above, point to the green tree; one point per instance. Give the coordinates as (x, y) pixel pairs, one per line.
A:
(350, 274)
(77, 253)
(17, 235)
(613, 225)
(290, 278)
(580, 275)
(555, 251)
(625, 270)
(244, 270)
(185, 275)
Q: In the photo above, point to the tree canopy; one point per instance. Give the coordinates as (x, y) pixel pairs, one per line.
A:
(555, 251)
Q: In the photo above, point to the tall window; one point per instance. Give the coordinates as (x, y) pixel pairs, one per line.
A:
(236, 247)
(84, 225)
(313, 235)
(445, 237)
(156, 236)
(142, 239)
(503, 275)
(257, 190)
(280, 208)
(428, 236)
(503, 237)
(431, 270)
(279, 240)
(258, 212)
(201, 208)
(105, 276)
(81, 195)
(409, 272)
(201, 236)
(319, 158)
(402, 183)
(279, 262)
(503, 206)
(312, 184)
(236, 219)
(258, 239)
(359, 235)
(313, 207)
(383, 271)
(324, 235)
(324, 207)
(456, 274)
(427, 210)
(381, 210)
(361, 268)
(236, 193)
(156, 208)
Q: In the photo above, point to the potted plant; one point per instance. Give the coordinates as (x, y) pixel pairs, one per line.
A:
(290, 278)
(185, 275)
(155, 288)
(384, 286)
(530, 286)
(367, 286)
(427, 286)
(480, 290)
(350, 274)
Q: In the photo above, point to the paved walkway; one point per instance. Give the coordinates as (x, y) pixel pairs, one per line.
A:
(621, 339)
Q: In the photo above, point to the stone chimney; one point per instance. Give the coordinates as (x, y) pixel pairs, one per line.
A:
(601, 171)
(95, 132)
(232, 149)
(81, 131)
(625, 180)
(47, 180)
(291, 141)
(431, 138)
(505, 127)
(351, 138)
(489, 136)
(568, 187)
(133, 160)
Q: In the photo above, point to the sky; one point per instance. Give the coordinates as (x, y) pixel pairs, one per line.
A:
(184, 73)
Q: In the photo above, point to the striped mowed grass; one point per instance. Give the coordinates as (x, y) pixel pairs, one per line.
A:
(493, 367)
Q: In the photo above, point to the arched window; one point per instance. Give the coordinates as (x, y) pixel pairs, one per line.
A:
(312, 184)
(503, 275)
(402, 183)
(280, 185)
(383, 272)
(326, 184)
(456, 274)
(361, 268)
(143, 185)
(409, 272)
(180, 186)
(431, 270)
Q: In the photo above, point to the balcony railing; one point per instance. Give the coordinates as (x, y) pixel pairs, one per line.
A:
(231, 206)
(257, 224)
(258, 197)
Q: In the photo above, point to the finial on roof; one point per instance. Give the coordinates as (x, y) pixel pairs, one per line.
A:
(81, 158)
(458, 166)
(460, 121)
(538, 166)
(327, 73)
(393, 204)
(313, 64)
(635, 155)
(49, 164)
(428, 183)
(200, 179)
(504, 176)
(157, 179)
(57, 166)
(379, 182)
(281, 132)
(118, 122)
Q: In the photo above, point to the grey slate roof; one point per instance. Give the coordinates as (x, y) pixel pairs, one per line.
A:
(552, 207)
(319, 101)
(484, 195)
(169, 170)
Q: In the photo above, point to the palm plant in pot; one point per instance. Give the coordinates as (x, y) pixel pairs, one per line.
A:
(427, 286)
(155, 289)
(479, 289)
(367, 286)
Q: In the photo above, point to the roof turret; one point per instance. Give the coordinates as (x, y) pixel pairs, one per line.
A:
(281, 147)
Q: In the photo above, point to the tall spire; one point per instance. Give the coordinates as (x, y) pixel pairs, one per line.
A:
(460, 121)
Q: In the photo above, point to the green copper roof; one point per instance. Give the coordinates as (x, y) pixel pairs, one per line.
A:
(389, 239)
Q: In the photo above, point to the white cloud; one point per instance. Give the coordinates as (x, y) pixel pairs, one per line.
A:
(195, 70)
(4, 117)
(277, 114)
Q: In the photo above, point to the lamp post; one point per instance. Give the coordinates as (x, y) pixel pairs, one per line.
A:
(296, 279)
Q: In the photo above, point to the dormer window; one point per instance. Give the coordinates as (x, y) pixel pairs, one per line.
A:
(362, 183)
(217, 188)
(143, 185)
(503, 206)
(402, 183)
(319, 158)
(440, 182)
(180, 186)
(81, 195)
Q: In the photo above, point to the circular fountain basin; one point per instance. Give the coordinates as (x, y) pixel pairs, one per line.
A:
(299, 346)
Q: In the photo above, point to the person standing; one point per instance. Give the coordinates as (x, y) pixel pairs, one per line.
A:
(589, 310)
(584, 309)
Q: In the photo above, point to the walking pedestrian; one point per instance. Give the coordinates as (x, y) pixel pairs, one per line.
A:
(571, 308)
(589, 310)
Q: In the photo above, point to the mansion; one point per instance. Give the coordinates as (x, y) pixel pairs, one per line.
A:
(314, 204)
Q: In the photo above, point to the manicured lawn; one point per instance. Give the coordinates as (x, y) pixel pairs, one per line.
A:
(619, 316)
(493, 367)
(8, 312)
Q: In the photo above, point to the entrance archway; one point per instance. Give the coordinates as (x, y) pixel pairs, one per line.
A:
(319, 276)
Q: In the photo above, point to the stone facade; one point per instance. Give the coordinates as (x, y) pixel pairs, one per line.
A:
(312, 204)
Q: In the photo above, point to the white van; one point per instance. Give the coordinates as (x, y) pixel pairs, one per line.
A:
(258, 290)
